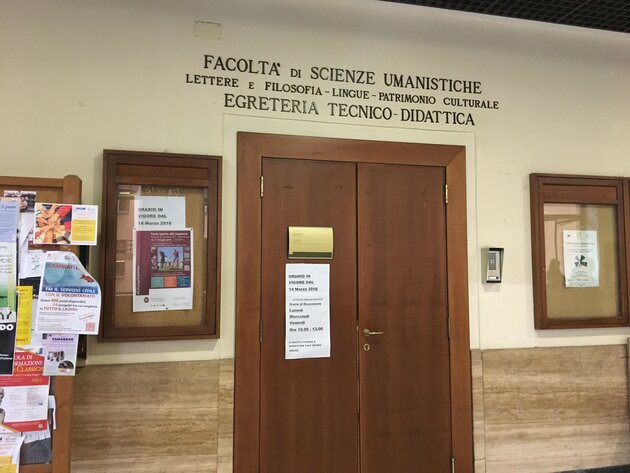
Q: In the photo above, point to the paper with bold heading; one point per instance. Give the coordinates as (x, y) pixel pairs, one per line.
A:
(24, 396)
(163, 270)
(311, 242)
(307, 328)
(69, 298)
(65, 224)
(581, 258)
(159, 213)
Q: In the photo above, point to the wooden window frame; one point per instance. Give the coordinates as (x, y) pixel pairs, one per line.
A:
(584, 190)
(160, 169)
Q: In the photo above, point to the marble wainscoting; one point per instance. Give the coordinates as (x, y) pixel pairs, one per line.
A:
(157, 417)
(537, 410)
(545, 410)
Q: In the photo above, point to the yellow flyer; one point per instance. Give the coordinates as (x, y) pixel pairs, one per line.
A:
(25, 316)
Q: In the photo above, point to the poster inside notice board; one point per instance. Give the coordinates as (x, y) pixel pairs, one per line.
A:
(162, 241)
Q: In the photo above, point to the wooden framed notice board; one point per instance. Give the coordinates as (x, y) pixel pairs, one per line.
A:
(160, 258)
(580, 229)
(66, 190)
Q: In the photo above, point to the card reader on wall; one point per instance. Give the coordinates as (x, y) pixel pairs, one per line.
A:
(494, 264)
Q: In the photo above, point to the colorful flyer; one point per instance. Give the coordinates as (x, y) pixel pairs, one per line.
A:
(24, 396)
(64, 224)
(163, 270)
(69, 298)
(53, 224)
(60, 354)
(8, 329)
(24, 316)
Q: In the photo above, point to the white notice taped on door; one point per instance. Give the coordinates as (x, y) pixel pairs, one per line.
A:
(307, 330)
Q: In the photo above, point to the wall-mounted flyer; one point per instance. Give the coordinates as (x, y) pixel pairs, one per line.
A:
(307, 325)
(581, 258)
(24, 316)
(69, 298)
(65, 224)
(60, 354)
(24, 396)
(163, 270)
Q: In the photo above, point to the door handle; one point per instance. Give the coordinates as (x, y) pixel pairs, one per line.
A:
(368, 333)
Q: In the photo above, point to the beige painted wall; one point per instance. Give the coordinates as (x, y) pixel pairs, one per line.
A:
(80, 76)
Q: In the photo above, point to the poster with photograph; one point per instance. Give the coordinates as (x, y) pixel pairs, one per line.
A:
(26, 199)
(64, 224)
(581, 258)
(163, 270)
(53, 224)
(60, 354)
(24, 396)
(69, 298)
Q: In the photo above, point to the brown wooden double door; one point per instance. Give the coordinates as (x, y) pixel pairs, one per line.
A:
(381, 403)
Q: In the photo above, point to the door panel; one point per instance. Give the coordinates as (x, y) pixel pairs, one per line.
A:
(308, 408)
(404, 377)
(275, 432)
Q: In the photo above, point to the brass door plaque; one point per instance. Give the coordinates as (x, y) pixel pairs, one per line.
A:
(310, 242)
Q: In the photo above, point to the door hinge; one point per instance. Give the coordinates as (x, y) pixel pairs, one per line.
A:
(446, 193)
(262, 186)
(452, 465)
(260, 330)
(448, 322)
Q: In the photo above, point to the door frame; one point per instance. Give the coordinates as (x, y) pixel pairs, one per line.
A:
(251, 148)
